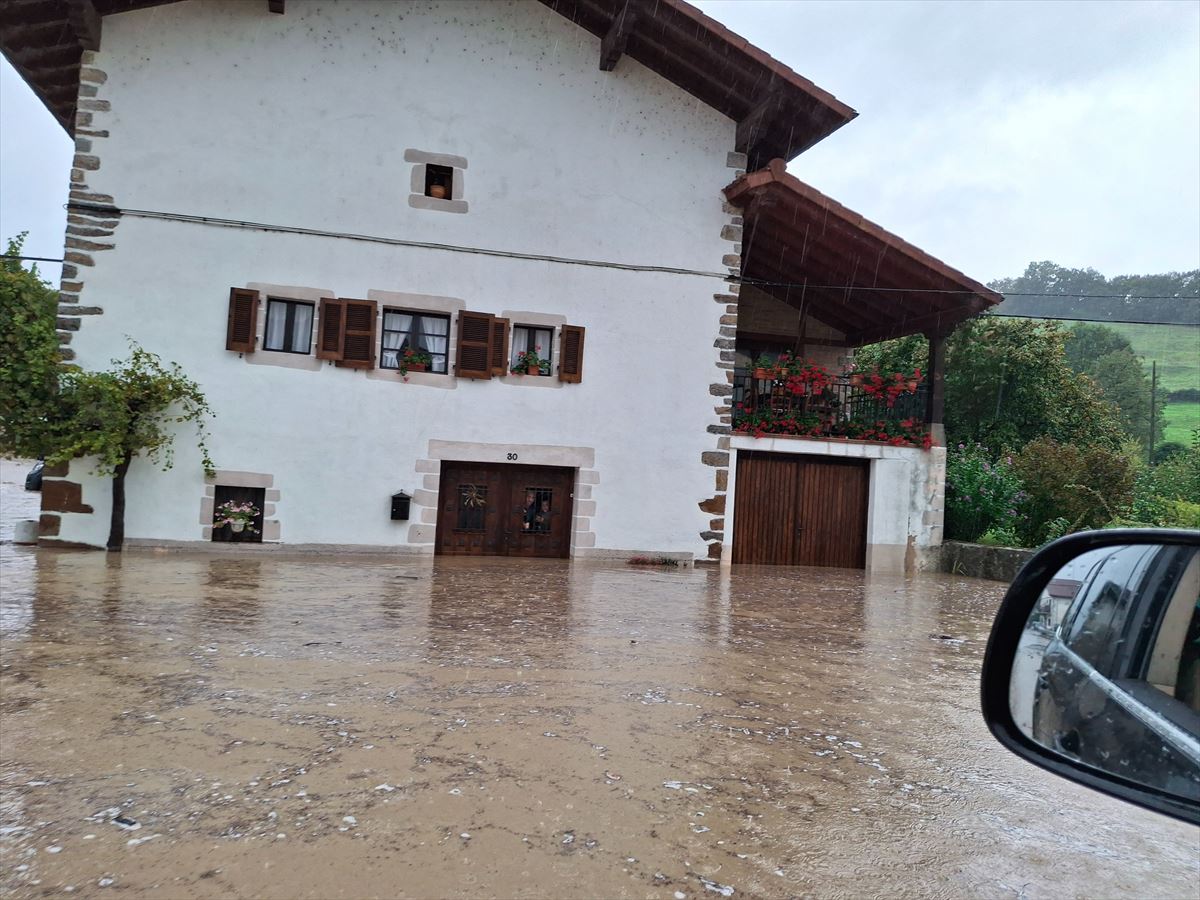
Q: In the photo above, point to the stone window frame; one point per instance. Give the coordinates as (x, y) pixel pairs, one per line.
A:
(553, 323)
(284, 358)
(412, 311)
(231, 478)
(418, 303)
(417, 198)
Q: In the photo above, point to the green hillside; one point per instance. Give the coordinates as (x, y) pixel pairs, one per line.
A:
(1176, 350)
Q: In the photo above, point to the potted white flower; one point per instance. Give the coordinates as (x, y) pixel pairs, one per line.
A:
(239, 516)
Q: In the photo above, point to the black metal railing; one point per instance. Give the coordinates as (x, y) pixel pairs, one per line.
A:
(839, 407)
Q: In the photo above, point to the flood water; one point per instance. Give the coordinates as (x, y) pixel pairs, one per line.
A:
(195, 725)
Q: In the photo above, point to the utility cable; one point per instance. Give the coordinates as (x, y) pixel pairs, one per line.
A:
(564, 260)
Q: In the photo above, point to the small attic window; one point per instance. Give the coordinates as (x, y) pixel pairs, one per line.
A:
(439, 181)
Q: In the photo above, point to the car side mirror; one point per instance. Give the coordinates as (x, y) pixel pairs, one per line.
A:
(1092, 669)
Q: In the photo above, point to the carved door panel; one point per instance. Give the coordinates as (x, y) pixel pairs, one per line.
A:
(490, 509)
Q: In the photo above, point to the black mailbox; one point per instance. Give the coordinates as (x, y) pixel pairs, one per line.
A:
(400, 504)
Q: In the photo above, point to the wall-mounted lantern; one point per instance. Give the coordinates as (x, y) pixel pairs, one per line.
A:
(400, 503)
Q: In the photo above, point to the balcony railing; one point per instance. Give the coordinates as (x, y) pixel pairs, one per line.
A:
(837, 409)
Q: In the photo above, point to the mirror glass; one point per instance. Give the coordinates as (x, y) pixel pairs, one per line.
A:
(1107, 672)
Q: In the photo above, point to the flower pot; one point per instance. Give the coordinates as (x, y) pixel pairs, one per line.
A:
(533, 370)
(764, 374)
(856, 380)
(237, 527)
(437, 191)
(416, 367)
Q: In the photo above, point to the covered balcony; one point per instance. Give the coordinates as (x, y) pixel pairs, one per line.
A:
(819, 280)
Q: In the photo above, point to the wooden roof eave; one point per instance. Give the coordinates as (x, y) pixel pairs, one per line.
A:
(924, 294)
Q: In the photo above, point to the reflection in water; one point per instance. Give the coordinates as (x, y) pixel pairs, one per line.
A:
(1107, 671)
(593, 729)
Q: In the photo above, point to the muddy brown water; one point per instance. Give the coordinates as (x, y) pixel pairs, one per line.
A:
(360, 727)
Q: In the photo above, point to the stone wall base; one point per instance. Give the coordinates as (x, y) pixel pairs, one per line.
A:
(982, 561)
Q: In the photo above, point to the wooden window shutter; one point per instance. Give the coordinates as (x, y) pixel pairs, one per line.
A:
(243, 320)
(474, 358)
(570, 357)
(358, 338)
(331, 328)
(499, 346)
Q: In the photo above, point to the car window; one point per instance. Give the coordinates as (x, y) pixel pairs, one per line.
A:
(1097, 624)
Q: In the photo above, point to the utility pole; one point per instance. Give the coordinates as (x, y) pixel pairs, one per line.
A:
(1153, 406)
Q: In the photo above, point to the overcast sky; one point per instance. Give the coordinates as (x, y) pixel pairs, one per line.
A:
(989, 133)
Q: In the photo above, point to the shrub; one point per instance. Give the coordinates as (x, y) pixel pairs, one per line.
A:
(982, 494)
(1071, 489)
(1001, 537)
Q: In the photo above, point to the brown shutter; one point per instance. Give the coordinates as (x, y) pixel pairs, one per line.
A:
(474, 345)
(331, 328)
(499, 346)
(358, 340)
(243, 320)
(570, 358)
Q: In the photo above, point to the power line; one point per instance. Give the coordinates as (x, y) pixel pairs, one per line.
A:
(564, 260)
(32, 258)
(1004, 315)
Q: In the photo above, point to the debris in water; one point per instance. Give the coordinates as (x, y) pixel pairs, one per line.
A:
(723, 889)
(385, 787)
(126, 823)
(350, 820)
(55, 849)
(568, 838)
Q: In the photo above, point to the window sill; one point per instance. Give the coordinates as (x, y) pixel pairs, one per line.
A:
(420, 201)
(284, 359)
(424, 379)
(545, 381)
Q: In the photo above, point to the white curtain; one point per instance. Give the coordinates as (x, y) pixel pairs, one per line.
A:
(276, 323)
(302, 328)
(436, 338)
(395, 333)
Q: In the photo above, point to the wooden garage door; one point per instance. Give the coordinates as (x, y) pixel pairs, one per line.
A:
(493, 509)
(800, 510)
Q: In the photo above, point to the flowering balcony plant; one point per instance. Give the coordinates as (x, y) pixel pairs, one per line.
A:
(529, 363)
(238, 515)
(414, 361)
(889, 387)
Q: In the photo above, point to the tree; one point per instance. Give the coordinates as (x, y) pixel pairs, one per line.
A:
(29, 357)
(1088, 342)
(129, 411)
(1007, 383)
(1122, 378)
(61, 413)
(1069, 489)
(1048, 289)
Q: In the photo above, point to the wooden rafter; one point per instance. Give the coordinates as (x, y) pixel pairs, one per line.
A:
(612, 46)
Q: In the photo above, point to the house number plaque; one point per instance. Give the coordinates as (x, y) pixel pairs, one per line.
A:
(512, 456)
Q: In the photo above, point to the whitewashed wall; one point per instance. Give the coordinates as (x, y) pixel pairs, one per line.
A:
(221, 109)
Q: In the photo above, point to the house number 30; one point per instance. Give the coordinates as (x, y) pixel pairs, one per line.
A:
(512, 456)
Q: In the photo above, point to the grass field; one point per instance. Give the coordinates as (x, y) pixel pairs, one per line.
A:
(1176, 349)
(1181, 419)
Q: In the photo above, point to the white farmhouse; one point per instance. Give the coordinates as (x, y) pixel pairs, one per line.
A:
(351, 220)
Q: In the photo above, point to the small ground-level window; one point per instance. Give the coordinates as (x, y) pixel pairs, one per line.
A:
(439, 181)
(238, 514)
(289, 326)
(528, 342)
(426, 332)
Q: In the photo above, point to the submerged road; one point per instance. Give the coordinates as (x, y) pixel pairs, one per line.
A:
(195, 725)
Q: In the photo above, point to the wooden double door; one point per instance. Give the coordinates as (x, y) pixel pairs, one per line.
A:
(800, 510)
(496, 509)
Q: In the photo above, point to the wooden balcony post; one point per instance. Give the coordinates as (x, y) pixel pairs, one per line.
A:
(935, 404)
